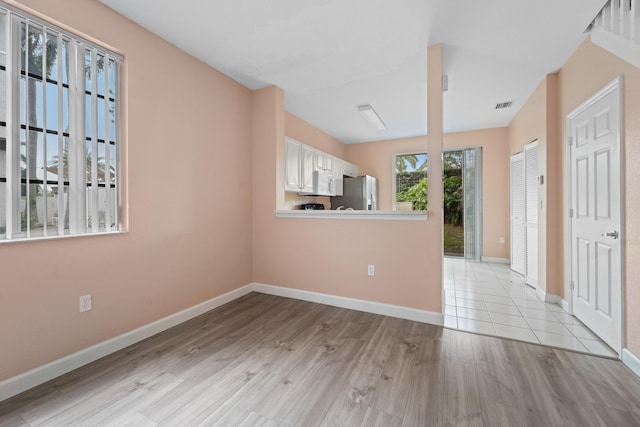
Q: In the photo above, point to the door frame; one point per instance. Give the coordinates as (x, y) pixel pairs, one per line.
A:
(614, 85)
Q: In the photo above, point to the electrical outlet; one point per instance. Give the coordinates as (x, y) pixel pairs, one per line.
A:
(371, 270)
(501, 239)
(85, 303)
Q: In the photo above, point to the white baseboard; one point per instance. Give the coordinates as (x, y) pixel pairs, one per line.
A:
(27, 380)
(354, 304)
(16, 385)
(551, 298)
(631, 360)
(495, 260)
(565, 305)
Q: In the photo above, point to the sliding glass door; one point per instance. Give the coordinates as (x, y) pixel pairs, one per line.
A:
(462, 200)
(472, 170)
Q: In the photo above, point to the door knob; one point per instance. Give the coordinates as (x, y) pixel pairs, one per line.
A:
(613, 234)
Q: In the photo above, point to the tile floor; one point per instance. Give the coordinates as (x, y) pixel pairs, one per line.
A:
(490, 299)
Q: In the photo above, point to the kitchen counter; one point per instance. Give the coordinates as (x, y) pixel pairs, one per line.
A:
(367, 215)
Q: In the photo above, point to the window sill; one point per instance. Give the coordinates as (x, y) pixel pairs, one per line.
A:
(366, 215)
(66, 236)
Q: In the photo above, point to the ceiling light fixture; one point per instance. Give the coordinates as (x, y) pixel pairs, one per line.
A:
(372, 117)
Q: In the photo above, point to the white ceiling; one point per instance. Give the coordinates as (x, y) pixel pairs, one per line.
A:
(329, 56)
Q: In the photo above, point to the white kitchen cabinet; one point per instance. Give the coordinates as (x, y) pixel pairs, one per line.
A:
(329, 163)
(292, 165)
(324, 161)
(319, 165)
(300, 162)
(338, 168)
(308, 156)
(349, 169)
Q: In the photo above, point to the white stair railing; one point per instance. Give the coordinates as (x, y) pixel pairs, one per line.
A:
(621, 18)
(617, 29)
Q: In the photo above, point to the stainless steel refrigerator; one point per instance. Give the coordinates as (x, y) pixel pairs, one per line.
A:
(359, 193)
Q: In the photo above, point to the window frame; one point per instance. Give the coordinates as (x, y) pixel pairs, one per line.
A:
(83, 194)
(394, 180)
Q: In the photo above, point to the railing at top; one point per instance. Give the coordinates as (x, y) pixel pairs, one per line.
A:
(622, 18)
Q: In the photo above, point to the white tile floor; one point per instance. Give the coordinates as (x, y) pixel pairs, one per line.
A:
(490, 299)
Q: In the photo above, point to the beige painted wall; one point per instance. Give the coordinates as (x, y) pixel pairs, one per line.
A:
(327, 255)
(495, 185)
(543, 117)
(185, 141)
(376, 158)
(528, 125)
(589, 69)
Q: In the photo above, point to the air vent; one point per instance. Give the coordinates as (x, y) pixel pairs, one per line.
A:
(502, 105)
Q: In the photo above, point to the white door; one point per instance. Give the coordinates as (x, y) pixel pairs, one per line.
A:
(518, 231)
(531, 212)
(594, 131)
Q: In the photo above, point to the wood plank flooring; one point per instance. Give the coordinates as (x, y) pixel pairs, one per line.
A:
(269, 361)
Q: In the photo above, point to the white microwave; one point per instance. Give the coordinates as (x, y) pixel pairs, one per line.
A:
(323, 185)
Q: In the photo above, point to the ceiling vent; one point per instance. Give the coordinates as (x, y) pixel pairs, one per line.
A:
(503, 105)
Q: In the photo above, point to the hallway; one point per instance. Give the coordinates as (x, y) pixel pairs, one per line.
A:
(490, 299)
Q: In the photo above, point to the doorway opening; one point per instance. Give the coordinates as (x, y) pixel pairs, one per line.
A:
(462, 202)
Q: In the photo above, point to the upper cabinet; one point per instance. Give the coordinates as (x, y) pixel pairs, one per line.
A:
(324, 161)
(300, 162)
(306, 172)
(292, 164)
(349, 169)
(298, 166)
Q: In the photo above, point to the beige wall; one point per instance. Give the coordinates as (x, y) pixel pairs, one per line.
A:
(495, 185)
(188, 133)
(543, 117)
(376, 158)
(329, 255)
(588, 70)
(528, 125)
(220, 232)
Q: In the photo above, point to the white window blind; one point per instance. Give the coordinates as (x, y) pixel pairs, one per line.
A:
(58, 131)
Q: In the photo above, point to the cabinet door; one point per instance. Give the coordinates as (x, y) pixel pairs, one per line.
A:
(292, 165)
(350, 169)
(308, 159)
(328, 163)
(320, 157)
(338, 171)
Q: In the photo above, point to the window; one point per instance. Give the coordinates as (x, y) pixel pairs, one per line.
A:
(58, 132)
(410, 181)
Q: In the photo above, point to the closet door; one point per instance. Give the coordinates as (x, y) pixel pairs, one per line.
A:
(531, 211)
(518, 212)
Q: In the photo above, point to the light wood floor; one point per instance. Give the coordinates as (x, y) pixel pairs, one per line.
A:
(268, 361)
